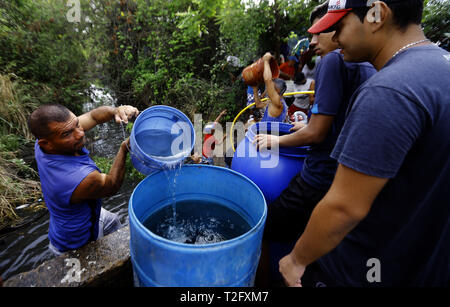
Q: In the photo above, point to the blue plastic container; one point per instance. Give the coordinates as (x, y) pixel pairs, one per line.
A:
(160, 262)
(271, 180)
(271, 171)
(161, 138)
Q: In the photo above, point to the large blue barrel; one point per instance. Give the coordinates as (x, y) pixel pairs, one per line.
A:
(271, 171)
(160, 262)
(161, 138)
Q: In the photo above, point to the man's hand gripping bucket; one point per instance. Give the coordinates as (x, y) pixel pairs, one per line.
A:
(161, 138)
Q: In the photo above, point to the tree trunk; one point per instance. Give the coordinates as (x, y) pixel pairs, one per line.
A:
(276, 9)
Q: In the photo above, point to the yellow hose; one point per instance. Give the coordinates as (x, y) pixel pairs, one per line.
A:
(250, 105)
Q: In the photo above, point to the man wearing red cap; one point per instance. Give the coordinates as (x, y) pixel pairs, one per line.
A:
(385, 220)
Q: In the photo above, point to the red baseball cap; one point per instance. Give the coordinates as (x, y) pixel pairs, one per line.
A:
(327, 21)
(337, 9)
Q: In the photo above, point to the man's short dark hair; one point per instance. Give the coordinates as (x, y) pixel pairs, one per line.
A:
(318, 12)
(42, 116)
(280, 85)
(405, 12)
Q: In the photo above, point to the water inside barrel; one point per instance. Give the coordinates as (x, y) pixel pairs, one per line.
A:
(197, 222)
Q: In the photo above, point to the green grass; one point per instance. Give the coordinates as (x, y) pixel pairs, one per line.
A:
(11, 142)
(17, 186)
(19, 183)
(104, 164)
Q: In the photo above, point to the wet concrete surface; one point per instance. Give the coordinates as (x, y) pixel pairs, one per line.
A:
(105, 262)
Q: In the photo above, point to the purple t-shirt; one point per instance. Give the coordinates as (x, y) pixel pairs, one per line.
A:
(71, 225)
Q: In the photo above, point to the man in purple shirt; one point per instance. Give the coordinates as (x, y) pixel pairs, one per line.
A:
(72, 184)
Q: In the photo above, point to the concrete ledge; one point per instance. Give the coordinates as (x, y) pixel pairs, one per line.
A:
(102, 263)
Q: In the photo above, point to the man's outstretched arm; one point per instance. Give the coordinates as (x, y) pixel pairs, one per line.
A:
(313, 133)
(97, 185)
(347, 203)
(104, 114)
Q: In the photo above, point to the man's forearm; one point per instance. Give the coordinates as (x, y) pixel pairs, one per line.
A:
(315, 132)
(97, 116)
(102, 114)
(97, 185)
(258, 103)
(117, 171)
(347, 202)
(341, 209)
(320, 238)
(267, 75)
(302, 137)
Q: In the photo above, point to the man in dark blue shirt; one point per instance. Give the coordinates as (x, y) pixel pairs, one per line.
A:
(336, 81)
(386, 218)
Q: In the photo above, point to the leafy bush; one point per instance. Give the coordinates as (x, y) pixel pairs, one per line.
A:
(18, 185)
(104, 164)
(44, 50)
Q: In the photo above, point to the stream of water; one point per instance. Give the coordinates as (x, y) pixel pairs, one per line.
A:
(27, 247)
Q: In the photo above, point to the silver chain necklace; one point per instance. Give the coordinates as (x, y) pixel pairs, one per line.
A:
(409, 45)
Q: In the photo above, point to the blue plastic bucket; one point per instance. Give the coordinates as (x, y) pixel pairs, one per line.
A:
(272, 178)
(271, 171)
(160, 262)
(161, 137)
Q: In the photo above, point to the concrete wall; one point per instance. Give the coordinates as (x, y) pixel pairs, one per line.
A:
(105, 262)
